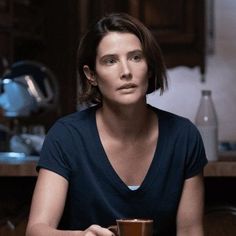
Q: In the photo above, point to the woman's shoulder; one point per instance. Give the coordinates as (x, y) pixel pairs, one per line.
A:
(83, 116)
(78, 120)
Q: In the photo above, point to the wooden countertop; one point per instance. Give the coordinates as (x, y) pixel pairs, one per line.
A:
(224, 167)
(18, 169)
(220, 169)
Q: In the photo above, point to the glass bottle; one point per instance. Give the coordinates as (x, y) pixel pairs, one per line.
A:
(207, 124)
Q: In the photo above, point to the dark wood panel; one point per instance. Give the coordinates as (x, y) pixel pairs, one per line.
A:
(15, 200)
(179, 26)
(221, 221)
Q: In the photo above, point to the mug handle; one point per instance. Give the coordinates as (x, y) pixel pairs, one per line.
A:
(114, 229)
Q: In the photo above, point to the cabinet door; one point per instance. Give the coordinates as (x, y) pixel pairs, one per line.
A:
(5, 13)
(9, 229)
(5, 47)
(220, 220)
(5, 29)
(90, 10)
(15, 203)
(178, 25)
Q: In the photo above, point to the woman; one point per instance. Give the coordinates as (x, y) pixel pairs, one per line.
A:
(120, 158)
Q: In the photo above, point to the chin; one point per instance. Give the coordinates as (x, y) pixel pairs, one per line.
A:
(130, 101)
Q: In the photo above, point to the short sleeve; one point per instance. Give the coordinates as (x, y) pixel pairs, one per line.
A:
(53, 155)
(196, 157)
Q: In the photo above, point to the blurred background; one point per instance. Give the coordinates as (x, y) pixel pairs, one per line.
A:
(185, 85)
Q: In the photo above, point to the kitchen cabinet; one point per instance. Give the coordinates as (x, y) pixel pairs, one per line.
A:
(220, 205)
(15, 199)
(21, 29)
(5, 26)
(220, 199)
(179, 26)
(17, 181)
(46, 32)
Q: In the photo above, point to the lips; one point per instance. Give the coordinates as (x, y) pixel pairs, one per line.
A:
(127, 86)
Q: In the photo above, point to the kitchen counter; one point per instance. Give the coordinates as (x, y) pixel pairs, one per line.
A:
(18, 170)
(224, 167)
(220, 169)
(18, 166)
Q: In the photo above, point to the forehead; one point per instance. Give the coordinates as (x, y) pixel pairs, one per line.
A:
(116, 42)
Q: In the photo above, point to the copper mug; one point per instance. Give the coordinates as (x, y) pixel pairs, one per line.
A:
(133, 227)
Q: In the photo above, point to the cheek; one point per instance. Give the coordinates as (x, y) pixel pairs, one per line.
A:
(107, 76)
(144, 76)
(102, 72)
(142, 72)
(104, 81)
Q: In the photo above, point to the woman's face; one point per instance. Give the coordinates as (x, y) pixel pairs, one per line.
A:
(121, 69)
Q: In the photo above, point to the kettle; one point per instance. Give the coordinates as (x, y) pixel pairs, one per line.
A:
(27, 87)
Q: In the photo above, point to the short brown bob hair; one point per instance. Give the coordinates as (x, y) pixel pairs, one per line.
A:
(87, 51)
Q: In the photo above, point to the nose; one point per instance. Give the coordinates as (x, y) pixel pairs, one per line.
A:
(125, 71)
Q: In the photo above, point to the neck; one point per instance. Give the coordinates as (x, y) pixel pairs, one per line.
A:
(126, 122)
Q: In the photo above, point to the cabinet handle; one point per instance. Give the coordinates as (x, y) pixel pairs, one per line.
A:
(10, 225)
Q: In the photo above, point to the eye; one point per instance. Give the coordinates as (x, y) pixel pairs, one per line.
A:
(109, 61)
(137, 57)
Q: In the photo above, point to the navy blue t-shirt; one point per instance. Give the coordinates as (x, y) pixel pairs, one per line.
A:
(97, 195)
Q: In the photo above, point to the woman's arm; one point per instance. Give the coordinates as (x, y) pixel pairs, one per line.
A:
(191, 208)
(47, 207)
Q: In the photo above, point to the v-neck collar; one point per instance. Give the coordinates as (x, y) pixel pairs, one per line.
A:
(112, 175)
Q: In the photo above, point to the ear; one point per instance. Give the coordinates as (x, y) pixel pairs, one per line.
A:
(90, 75)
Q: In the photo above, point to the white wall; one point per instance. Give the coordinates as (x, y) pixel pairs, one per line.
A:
(185, 87)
